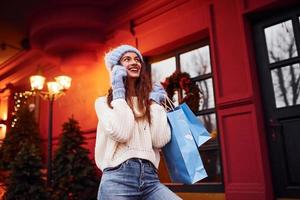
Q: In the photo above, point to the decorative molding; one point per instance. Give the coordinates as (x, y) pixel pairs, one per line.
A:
(157, 11)
(239, 130)
(245, 188)
(225, 63)
(244, 4)
(214, 51)
(234, 102)
(142, 12)
(24, 65)
(11, 62)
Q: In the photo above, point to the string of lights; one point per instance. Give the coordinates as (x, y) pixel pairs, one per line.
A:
(20, 99)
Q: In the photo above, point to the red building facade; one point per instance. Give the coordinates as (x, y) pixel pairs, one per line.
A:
(255, 101)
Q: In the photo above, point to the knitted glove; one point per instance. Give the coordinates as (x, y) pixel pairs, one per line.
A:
(117, 84)
(158, 93)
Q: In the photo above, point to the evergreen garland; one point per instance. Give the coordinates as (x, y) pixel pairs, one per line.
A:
(74, 174)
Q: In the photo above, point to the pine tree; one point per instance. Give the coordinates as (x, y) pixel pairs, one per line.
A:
(25, 129)
(74, 174)
(25, 181)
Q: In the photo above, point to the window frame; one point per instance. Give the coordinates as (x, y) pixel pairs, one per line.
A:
(274, 117)
(210, 187)
(295, 18)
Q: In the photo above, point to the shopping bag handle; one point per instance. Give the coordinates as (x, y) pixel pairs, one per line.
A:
(168, 104)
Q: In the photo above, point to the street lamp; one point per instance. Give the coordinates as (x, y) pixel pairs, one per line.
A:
(56, 89)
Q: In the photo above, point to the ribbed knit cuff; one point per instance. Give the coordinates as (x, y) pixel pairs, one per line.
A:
(119, 93)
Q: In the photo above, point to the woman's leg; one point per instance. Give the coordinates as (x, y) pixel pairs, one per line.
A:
(153, 189)
(161, 192)
(118, 183)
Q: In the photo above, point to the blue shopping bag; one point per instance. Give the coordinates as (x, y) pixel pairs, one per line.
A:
(181, 154)
(199, 132)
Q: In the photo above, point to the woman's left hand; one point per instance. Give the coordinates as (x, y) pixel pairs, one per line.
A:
(158, 93)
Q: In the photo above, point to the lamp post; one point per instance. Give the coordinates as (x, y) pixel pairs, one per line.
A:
(56, 89)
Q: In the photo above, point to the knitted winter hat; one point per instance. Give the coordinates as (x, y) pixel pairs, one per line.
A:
(112, 58)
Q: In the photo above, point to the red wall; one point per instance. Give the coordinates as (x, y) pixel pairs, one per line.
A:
(160, 26)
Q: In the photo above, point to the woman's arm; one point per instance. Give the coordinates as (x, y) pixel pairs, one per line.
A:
(160, 129)
(118, 122)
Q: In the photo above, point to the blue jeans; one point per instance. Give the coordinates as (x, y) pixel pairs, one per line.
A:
(134, 179)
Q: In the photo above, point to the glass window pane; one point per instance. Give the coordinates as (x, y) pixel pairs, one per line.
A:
(196, 62)
(206, 88)
(162, 69)
(210, 150)
(210, 122)
(212, 163)
(286, 85)
(280, 41)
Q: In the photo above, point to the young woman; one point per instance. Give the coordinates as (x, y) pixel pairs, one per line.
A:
(132, 128)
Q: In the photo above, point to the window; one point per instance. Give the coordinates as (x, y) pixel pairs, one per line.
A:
(196, 62)
(4, 101)
(283, 62)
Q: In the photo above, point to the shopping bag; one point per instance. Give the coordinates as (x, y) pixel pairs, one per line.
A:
(199, 132)
(181, 154)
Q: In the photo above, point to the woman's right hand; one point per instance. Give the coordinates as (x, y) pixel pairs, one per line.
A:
(118, 73)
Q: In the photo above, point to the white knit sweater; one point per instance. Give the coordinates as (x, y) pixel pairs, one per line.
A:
(120, 136)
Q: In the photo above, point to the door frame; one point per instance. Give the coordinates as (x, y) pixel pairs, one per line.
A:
(272, 126)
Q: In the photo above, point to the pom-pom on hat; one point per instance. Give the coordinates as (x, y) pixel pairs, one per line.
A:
(112, 58)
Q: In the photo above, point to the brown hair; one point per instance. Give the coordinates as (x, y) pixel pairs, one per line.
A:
(142, 89)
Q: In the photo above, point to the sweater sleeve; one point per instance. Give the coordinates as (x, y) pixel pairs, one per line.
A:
(160, 129)
(118, 122)
(98, 149)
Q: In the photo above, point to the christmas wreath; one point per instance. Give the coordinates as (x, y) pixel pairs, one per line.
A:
(182, 81)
